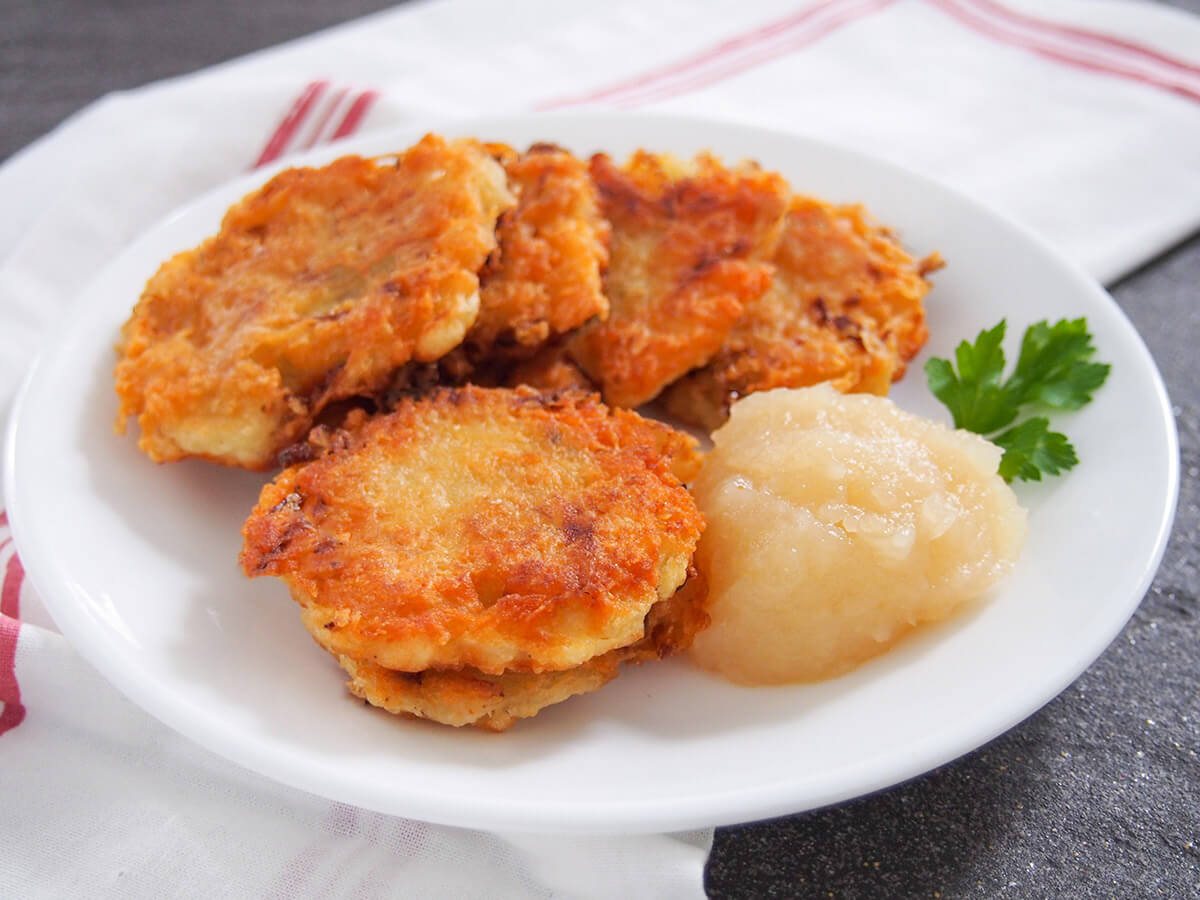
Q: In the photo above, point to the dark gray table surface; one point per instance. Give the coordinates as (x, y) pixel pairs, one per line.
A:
(1096, 795)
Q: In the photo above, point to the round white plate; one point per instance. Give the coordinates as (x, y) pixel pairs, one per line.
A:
(138, 562)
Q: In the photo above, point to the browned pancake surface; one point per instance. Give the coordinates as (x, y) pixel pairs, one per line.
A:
(689, 248)
(316, 288)
(845, 306)
(486, 528)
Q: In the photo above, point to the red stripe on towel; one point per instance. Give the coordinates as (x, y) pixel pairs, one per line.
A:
(717, 51)
(1083, 35)
(330, 109)
(798, 41)
(10, 593)
(1075, 58)
(10, 629)
(354, 115)
(291, 122)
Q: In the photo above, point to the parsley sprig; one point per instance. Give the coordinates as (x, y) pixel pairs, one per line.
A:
(1054, 369)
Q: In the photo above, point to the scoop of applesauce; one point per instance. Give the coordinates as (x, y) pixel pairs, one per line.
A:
(837, 523)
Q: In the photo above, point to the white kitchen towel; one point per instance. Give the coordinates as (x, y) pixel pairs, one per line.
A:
(1081, 119)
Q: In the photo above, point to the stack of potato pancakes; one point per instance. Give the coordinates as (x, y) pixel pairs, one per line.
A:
(423, 340)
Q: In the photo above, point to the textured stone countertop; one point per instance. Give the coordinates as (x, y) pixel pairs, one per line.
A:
(1096, 795)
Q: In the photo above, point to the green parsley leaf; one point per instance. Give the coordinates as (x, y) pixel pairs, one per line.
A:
(975, 396)
(1054, 369)
(1031, 448)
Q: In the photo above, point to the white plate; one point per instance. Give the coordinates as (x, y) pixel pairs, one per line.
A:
(138, 563)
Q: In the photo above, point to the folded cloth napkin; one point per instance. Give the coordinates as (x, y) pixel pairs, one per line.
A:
(1080, 119)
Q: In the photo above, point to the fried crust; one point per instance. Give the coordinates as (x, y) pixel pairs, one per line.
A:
(316, 288)
(845, 306)
(469, 697)
(549, 371)
(491, 528)
(494, 702)
(544, 278)
(689, 244)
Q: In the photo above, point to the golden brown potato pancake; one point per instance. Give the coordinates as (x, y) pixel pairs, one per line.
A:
(543, 279)
(316, 288)
(845, 306)
(689, 244)
(494, 702)
(491, 528)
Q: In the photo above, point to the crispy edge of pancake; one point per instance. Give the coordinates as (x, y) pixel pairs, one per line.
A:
(461, 697)
(544, 277)
(210, 370)
(469, 697)
(364, 599)
(845, 306)
(688, 250)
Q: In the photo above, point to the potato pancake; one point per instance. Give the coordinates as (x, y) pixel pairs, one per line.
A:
(543, 279)
(490, 528)
(317, 287)
(845, 306)
(689, 245)
(494, 702)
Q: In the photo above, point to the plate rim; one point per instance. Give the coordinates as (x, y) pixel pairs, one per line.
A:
(720, 808)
